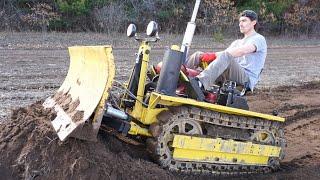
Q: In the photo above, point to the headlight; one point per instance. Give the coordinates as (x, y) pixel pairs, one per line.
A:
(131, 30)
(152, 28)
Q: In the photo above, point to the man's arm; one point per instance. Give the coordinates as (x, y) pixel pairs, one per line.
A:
(242, 50)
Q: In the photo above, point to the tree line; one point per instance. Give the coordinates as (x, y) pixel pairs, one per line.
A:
(278, 17)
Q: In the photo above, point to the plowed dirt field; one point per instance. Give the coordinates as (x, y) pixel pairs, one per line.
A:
(32, 67)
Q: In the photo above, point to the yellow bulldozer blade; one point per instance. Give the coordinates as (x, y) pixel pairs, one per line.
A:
(79, 102)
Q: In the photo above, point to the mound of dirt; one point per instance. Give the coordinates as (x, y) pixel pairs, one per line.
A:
(30, 148)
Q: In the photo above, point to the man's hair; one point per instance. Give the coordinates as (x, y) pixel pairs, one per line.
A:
(249, 14)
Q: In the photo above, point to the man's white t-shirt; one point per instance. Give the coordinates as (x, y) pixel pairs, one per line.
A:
(253, 62)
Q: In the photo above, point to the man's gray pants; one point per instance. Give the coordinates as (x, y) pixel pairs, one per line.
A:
(223, 68)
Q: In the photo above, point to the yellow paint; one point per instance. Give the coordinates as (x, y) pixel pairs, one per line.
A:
(175, 47)
(229, 146)
(222, 151)
(89, 78)
(137, 110)
(152, 71)
(204, 65)
(137, 130)
(149, 115)
(157, 98)
(218, 157)
(111, 73)
(92, 72)
(183, 77)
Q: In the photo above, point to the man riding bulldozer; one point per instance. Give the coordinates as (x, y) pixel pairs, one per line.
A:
(241, 62)
(184, 128)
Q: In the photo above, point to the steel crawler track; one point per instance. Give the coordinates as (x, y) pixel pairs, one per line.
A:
(245, 129)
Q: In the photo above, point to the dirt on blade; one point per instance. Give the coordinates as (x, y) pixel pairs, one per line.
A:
(30, 148)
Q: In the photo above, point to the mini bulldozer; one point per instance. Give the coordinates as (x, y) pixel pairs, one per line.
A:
(183, 129)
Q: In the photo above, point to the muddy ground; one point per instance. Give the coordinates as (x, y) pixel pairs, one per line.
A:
(29, 148)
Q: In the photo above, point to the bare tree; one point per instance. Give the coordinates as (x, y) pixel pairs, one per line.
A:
(40, 16)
